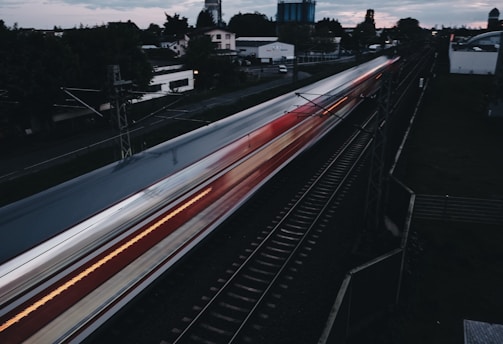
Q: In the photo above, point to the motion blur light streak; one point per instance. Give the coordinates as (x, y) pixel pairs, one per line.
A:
(366, 75)
(335, 105)
(57, 295)
(101, 262)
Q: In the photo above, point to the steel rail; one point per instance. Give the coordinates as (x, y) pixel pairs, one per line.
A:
(356, 147)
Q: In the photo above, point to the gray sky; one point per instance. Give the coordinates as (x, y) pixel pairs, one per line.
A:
(45, 14)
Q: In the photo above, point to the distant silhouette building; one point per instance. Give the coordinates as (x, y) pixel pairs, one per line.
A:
(493, 21)
(296, 11)
(215, 8)
(369, 17)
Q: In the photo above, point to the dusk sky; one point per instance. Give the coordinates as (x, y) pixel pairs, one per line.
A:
(45, 14)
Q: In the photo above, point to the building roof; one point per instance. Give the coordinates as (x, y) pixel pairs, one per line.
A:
(252, 43)
(263, 44)
(494, 13)
(261, 39)
(483, 36)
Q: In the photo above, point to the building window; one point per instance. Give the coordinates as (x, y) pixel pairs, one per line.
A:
(173, 85)
(227, 46)
(227, 36)
(219, 36)
(155, 88)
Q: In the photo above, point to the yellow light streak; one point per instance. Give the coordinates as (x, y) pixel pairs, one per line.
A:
(335, 105)
(101, 262)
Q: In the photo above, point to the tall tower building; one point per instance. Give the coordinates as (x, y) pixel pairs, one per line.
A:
(369, 17)
(493, 21)
(215, 8)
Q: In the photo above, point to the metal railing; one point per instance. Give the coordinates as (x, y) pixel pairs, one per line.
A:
(459, 209)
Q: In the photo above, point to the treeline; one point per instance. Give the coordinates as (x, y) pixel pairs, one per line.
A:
(35, 65)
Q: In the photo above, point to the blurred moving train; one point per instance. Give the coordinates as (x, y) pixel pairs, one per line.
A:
(63, 226)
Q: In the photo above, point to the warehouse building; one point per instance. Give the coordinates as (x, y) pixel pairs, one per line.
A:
(476, 55)
(264, 49)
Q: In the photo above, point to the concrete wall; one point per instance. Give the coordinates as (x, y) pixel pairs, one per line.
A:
(472, 62)
(247, 51)
(276, 51)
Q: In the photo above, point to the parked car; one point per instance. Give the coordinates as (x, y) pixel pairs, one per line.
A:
(282, 69)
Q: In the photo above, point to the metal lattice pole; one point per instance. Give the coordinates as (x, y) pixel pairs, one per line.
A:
(119, 102)
(374, 205)
(125, 142)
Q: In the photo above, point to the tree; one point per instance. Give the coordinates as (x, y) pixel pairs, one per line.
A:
(205, 19)
(33, 67)
(175, 25)
(365, 32)
(409, 30)
(252, 25)
(152, 35)
(329, 28)
(213, 70)
(197, 56)
(116, 43)
(296, 34)
(325, 32)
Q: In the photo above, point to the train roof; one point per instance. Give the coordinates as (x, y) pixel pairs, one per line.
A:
(48, 213)
(30, 221)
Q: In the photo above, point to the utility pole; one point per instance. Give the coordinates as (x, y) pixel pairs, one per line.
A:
(119, 102)
(118, 93)
(377, 184)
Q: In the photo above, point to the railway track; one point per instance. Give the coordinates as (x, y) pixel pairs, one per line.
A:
(253, 269)
(236, 310)
(246, 300)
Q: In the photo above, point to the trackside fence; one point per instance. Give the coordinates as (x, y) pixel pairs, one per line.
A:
(369, 289)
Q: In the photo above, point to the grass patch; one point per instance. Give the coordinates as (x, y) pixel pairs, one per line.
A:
(455, 277)
(454, 146)
(453, 274)
(454, 149)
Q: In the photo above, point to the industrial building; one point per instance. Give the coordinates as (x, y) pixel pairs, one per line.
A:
(296, 11)
(170, 79)
(493, 21)
(265, 49)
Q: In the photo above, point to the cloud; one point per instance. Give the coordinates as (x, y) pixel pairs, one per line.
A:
(114, 4)
(45, 14)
